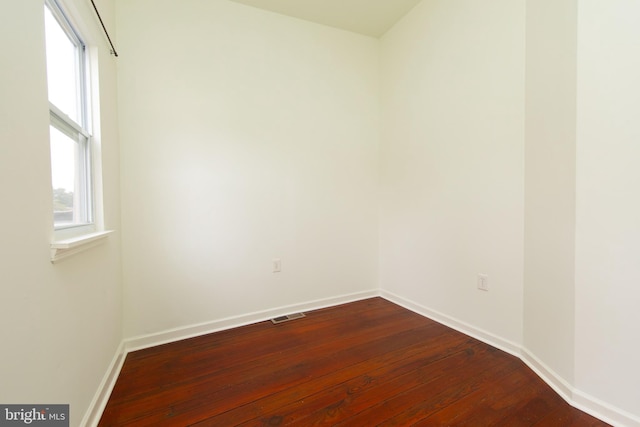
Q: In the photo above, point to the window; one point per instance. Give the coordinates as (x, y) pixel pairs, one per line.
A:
(70, 137)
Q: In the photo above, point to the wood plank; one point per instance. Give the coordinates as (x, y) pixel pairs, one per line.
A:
(350, 397)
(404, 356)
(421, 401)
(364, 363)
(510, 401)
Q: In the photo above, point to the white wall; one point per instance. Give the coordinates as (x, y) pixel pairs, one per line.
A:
(452, 161)
(608, 203)
(246, 136)
(550, 184)
(61, 324)
(249, 135)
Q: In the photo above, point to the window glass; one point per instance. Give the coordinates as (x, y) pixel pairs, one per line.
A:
(62, 69)
(64, 164)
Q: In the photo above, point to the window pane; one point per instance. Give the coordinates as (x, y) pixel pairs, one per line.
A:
(65, 177)
(62, 68)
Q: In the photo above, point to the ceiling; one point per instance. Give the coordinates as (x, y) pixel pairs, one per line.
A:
(369, 17)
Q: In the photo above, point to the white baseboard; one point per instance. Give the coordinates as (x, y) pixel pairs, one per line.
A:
(548, 375)
(577, 398)
(604, 411)
(164, 337)
(571, 395)
(100, 399)
(467, 329)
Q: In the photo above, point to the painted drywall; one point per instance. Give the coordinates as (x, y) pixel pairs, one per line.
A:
(246, 136)
(61, 324)
(607, 204)
(549, 245)
(452, 152)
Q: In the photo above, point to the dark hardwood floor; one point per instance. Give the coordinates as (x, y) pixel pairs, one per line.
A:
(366, 363)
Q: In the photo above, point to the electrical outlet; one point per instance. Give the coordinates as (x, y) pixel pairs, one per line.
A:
(277, 265)
(483, 282)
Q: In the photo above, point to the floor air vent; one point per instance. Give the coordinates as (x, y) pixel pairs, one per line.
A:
(286, 318)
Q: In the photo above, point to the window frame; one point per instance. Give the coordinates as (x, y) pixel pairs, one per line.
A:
(80, 133)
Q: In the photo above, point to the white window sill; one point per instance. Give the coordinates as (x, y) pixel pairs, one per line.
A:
(61, 249)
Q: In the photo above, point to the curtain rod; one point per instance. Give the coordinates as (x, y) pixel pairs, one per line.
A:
(113, 48)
